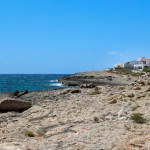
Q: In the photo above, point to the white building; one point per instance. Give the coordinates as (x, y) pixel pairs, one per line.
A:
(141, 63)
(137, 65)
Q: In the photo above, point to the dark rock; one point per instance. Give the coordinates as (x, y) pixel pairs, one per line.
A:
(22, 93)
(91, 76)
(85, 77)
(141, 82)
(83, 86)
(16, 93)
(109, 78)
(91, 85)
(71, 83)
(9, 104)
(76, 91)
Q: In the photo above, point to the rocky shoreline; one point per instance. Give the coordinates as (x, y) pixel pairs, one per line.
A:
(99, 117)
(97, 78)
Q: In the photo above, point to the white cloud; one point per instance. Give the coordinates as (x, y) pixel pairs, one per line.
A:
(112, 53)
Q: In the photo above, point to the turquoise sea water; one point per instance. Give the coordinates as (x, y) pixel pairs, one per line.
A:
(31, 82)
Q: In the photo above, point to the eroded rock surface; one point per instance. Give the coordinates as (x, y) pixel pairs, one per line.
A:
(92, 119)
(95, 78)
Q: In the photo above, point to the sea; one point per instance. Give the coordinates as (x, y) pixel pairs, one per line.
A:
(30, 82)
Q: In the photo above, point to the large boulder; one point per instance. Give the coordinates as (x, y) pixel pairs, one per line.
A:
(11, 104)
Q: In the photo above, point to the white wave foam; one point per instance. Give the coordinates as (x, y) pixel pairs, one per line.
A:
(53, 81)
(56, 84)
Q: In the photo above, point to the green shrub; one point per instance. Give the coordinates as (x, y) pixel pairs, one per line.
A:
(110, 70)
(29, 133)
(94, 93)
(137, 117)
(96, 120)
(136, 74)
(127, 71)
(146, 69)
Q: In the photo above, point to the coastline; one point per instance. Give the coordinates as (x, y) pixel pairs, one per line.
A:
(97, 78)
(81, 118)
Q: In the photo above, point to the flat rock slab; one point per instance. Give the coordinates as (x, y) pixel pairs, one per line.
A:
(12, 146)
(10, 104)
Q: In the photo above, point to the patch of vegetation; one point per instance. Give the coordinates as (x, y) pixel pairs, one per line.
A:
(138, 118)
(110, 70)
(96, 120)
(146, 69)
(29, 133)
(95, 92)
(125, 71)
(136, 74)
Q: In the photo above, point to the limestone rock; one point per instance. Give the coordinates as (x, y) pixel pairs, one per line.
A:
(137, 88)
(61, 120)
(129, 94)
(140, 82)
(10, 104)
(147, 89)
(12, 146)
(139, 142)
(113, 101)
(141, 95)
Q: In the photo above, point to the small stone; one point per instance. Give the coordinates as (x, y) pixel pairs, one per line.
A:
(137, 88)
(112, 101)
(83, 86)
(129, 94)
(141, 82)
(91, 85)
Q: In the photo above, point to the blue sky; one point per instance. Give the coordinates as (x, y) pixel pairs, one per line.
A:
(68, 36)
